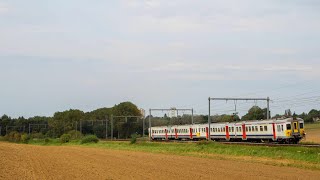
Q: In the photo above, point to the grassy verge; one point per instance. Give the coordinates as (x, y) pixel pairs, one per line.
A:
(302, 157)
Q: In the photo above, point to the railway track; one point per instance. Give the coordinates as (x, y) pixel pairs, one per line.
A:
(271, 144)
(230, 143)
(249, 143)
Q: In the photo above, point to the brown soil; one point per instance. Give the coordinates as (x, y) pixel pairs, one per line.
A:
(65, 162)
(313, 135)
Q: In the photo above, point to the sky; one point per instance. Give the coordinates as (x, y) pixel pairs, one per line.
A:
(57, 55)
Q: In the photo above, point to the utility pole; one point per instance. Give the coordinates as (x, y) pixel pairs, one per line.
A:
(111, 127)
(209, 120)
(149, 124)
(268, 108)
(192, 116)
(143, 126)
(106, 127)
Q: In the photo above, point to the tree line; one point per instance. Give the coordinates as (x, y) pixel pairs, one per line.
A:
(94, 122)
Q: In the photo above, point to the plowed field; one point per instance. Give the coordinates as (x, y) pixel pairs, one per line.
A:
(65, 162)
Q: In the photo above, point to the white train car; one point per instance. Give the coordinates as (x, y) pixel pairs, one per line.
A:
(286, 131)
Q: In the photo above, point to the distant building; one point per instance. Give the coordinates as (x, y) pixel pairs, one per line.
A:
(173, 112)
(143, 113)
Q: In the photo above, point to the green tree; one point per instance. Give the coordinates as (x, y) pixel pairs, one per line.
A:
(255, 113)
(66, 121)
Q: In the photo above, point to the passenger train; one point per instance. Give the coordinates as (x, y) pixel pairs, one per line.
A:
(290, 130)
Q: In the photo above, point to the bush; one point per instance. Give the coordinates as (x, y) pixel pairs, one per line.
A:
(75, 134)
(2, 138)
(46, 140)
(37, 136)
(89, 139)
(25, 138)
(134, 138)
(65, 138)
(13, 136)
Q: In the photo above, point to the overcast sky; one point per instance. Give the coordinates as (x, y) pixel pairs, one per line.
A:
(57, 55)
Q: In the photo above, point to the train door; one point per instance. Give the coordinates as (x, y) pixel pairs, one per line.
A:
(296, 127)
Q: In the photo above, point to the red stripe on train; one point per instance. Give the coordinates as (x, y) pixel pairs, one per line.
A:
(227, 133)
(191, 135)
(176, 133)
(207, 133)
(244, 135)
(274, 131)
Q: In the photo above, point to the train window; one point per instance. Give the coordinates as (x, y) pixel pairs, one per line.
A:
(214, 129)
(288, 126)
(232, 129)
(256, 127)
(295, 125)
(229, 129)
(252, 128)
(278, 128)
(265, 128)
(240, 129)
(281, 127)
(237, 129)
(247, 129)
(261, 128)
(301, 125)
(218, 129)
